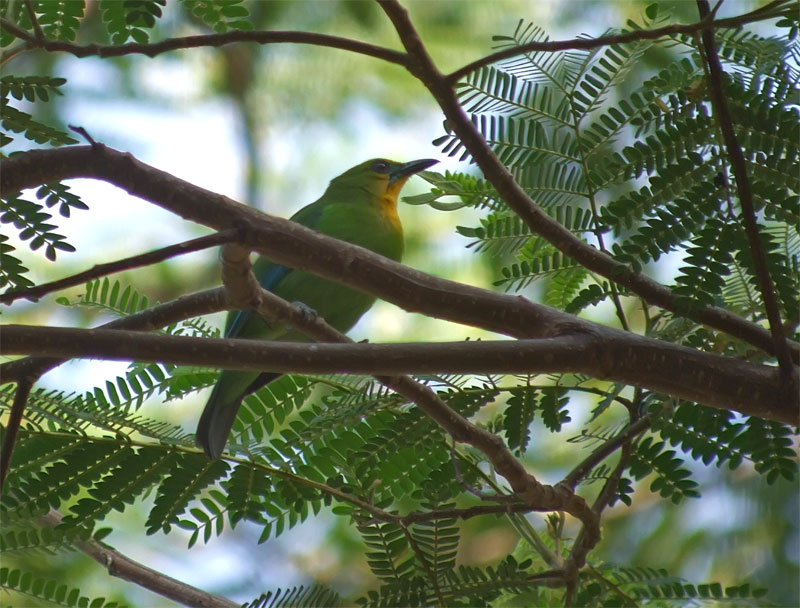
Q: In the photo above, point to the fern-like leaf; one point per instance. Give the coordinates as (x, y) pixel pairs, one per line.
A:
(315, 596)
(131, 19)
(220, 15)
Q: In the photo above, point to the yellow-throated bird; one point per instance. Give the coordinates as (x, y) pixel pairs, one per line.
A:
(360, 207)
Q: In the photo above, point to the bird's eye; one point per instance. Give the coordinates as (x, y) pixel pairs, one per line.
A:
(380, 166)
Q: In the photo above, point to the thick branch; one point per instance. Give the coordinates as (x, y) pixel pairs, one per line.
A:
(613, 355)
(25, 372)
(299, 247)
(739, 168)
(212, 40)
(542, 224)
(185, 307)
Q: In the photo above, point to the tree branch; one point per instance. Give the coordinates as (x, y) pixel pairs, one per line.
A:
(24, 386)
(137, 261)
(574, 477)
(37, 29)
(27, 371)
(539, 222)
(205, 40)
(121, 566)
(773, 10)
(185, 307)
(666, 368)
(739, 168)
(539, 496)
(577, 554)
(296, 246)
(420, 555)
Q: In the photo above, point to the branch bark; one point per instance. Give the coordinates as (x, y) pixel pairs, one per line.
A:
(538, 496)
(654, 293)
(739, 168)
(296, 246)
(606, 354)
(206, 40)
(136, 261)
(121, 566)
(774, 10)
(185, 307)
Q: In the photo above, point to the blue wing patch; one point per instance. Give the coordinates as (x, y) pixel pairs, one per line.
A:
(270, 280)
(307, 216)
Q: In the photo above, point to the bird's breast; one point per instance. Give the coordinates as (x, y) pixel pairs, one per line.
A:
(389, 212)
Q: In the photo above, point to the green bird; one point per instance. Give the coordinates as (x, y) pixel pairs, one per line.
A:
(360, 207)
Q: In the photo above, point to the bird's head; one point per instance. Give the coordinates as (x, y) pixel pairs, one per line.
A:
(380, 177)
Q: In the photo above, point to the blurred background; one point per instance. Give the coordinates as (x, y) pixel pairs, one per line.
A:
(270, 126)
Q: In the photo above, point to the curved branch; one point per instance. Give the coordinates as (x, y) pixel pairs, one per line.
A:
(550, 46)
(539, 222)
(539, 496)
(722, 113)
(289, 243)
(136, 261)
(121, 566)
(204, 40)
(299, 247)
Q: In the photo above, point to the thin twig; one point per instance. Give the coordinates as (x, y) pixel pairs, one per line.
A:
(577, 556)
(574, 477)
(611, 486)
(412, 542)
(628, 37)
(464, 513)
(120, 565)
(13, 423)
(496, 497)
(538, 221)
(206, 40)
(719, 103)
(136, 261)
(37, 29)
(83, 133)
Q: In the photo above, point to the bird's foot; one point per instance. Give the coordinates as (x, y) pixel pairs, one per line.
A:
(309, 314)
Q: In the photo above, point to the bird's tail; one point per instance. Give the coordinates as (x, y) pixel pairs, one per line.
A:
(217, 419)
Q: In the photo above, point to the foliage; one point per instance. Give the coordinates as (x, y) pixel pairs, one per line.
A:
(638, 173)
(29, 217)
(54, 593)
(221, 16)
(130, 19)
(297, 596)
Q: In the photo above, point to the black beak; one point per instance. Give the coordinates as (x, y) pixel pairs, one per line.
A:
(410, 168)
